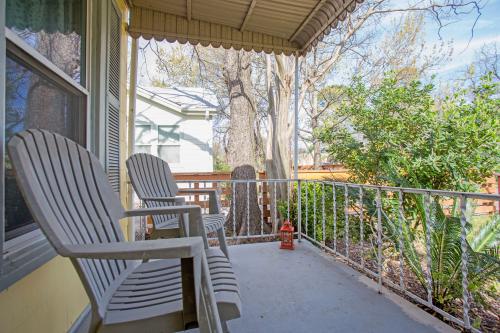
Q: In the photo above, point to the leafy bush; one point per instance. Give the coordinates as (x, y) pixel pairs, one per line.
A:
(446, 255)
(396, 134)
(308, 211)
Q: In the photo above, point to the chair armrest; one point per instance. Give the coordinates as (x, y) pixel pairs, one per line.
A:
(194, 226)
(166, 199)
(139, 250)
(163, 210)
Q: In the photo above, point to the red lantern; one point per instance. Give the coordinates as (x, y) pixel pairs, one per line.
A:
(287, 236)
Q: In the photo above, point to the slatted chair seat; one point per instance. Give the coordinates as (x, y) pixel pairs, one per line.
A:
(146, 286)
(214, 222)
(155, 288)
(169, 224)
(152, 289)
(225, 284)
(155, 185)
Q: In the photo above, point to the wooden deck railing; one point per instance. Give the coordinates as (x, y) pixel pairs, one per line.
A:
(201, 179)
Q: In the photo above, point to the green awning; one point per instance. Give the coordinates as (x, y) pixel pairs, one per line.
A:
(63, 16)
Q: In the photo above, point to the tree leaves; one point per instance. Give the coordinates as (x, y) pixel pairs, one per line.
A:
(399, 126)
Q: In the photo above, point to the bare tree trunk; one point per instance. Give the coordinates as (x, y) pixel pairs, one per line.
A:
(245, 214)
(314, 126)
(278, 155)
(242, 145)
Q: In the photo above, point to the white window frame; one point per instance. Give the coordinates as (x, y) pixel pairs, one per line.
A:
(177, 131)
(149, 144)
(168, 144)
(142, 145)
(21, 255)
(150, 135)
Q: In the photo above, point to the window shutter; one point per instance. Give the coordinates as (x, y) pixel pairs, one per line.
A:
(113, 98)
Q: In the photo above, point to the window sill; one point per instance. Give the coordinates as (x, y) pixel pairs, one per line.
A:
(22, 255)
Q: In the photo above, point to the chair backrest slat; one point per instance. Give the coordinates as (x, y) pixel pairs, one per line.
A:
(90, 209)
(53, 206)
(108, 215)
(69, 195)
(66, 182)
(152, 177)
(152, 167)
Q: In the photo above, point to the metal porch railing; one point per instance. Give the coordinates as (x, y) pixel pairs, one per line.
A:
(365, 225)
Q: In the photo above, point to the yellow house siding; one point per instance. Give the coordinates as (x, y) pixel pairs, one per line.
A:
(48, 300)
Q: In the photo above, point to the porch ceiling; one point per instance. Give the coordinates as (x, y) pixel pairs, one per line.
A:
(278, 26)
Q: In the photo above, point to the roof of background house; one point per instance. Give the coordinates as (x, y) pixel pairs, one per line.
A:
(182, 99)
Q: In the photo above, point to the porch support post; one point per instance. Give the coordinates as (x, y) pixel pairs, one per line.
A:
(296, 149)
(132, 94)
(296, 122)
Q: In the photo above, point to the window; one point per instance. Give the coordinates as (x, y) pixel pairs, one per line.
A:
(171, 154)
(143, 139)
(34, 100)
(146, 149)
(169, 144)
(168, 135)
(143, 134)
(44, 49)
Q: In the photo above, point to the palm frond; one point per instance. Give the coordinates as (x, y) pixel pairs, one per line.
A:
(487, 236)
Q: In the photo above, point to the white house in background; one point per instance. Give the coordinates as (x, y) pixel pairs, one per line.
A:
(175, 124)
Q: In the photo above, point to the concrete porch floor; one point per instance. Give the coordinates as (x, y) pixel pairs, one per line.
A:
(307, 290)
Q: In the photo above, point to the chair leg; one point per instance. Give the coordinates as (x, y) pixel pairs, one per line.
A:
(183, 225)
(203, 321)
(221, 234)
(225, 329)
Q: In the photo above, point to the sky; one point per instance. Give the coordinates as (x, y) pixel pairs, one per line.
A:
(465, 45)
(459, 33)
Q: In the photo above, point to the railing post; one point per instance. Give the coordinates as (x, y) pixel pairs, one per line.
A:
(307, 208)
(262, 211)
(427, 208)
(234, 207)
(401, 240)
(379, 239)
(248, 207)
(323, 229)
(288, 200)
(346, 216)
(299, 210)
(197, 196)
(275, 209)
(314, 209)
(189, 186)
(465, 271)
(334, 194)
(361, 227)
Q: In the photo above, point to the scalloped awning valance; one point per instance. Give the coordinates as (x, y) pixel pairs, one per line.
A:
(278, 26)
